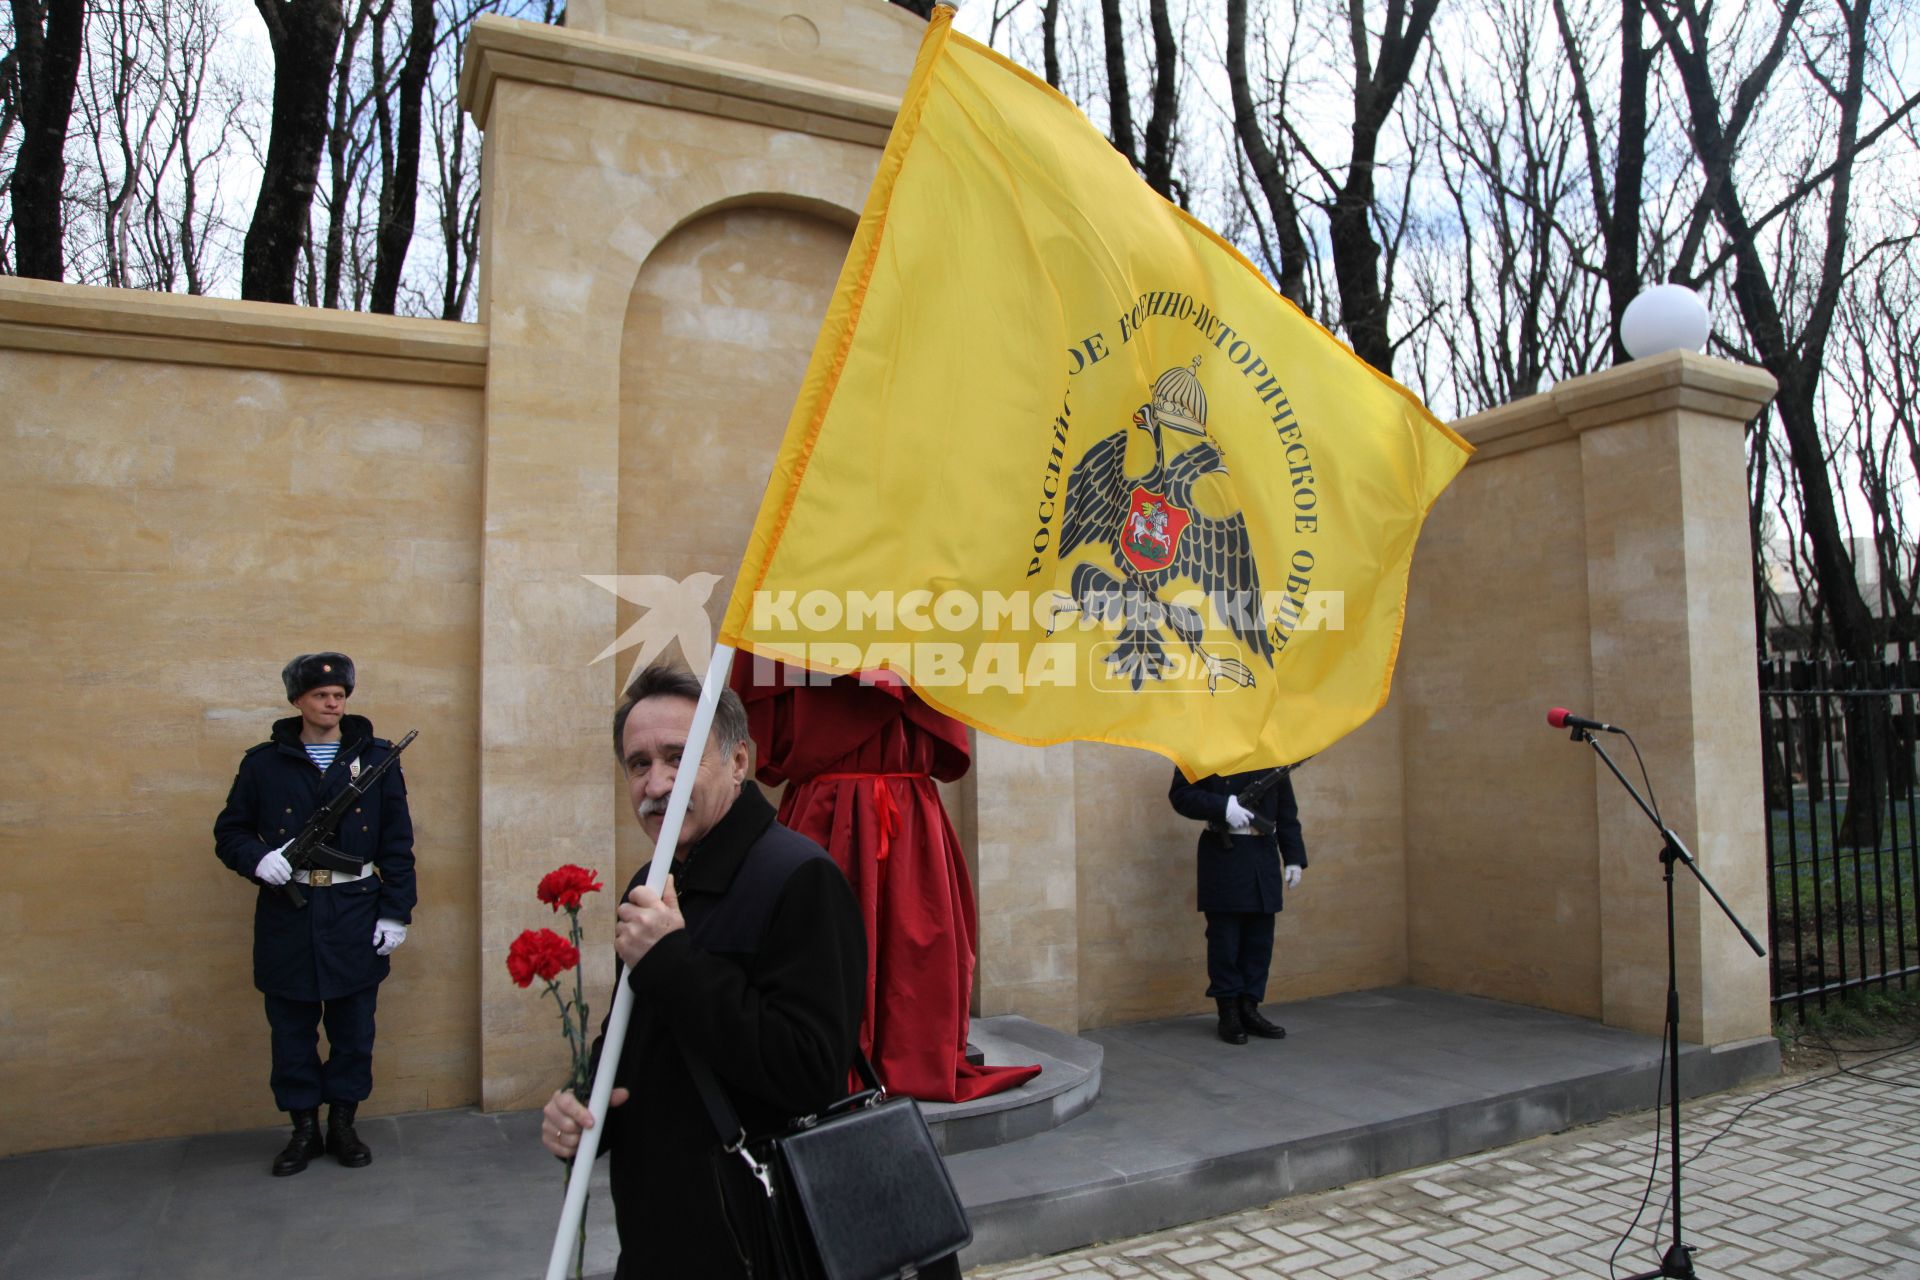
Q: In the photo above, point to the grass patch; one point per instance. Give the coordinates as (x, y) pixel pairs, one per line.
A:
(1841, 914)
(1853, 1016)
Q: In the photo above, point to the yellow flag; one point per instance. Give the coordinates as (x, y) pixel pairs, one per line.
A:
(1066, 462)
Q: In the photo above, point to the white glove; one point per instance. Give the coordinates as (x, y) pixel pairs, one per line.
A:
(273, 868)
(387, 935)
(1291, 874)
(1239, 818)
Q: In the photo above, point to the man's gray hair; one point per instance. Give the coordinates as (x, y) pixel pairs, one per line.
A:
(666, 680)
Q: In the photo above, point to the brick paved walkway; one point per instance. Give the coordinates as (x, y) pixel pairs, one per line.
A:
(1814, 1177)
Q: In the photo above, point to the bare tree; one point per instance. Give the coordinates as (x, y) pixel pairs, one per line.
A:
(1050, 41)
(304, 35)
(1787, 306)
(42, 70)
(138, 217)
(1870, 402)
(1616, 190)
(1506, 267)
(1119, 96)
(1162, 137)
(119, 109)
(186, 225)
(1251, 123)
(1380, 67)
(454, 196)
(355, 89)
(1152, 153)
(400, 163)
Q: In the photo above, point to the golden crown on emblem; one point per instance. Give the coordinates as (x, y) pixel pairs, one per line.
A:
(1179, 400)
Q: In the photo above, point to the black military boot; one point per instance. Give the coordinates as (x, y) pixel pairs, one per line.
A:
(342, 1141)
(303, 1146)
(1230, 1029)
(1256, 1022)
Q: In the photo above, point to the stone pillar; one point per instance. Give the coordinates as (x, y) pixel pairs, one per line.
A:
(1027, 888)
(1670, 604)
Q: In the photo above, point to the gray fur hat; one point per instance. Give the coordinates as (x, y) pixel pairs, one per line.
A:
(311, 670)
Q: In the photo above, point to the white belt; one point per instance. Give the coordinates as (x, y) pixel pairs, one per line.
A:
(338, 877)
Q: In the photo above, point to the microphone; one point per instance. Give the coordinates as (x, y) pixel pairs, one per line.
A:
(1561, 718)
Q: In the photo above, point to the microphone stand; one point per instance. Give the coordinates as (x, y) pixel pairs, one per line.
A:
(1677, 1263)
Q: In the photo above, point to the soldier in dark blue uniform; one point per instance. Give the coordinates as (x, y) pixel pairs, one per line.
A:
(322, 962)
(1243, 875)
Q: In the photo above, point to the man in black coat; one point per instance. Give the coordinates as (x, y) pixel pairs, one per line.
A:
(754, 959)
(322, 962)
(1243, 875)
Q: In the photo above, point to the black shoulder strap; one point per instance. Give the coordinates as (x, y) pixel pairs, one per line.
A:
(726, 1122)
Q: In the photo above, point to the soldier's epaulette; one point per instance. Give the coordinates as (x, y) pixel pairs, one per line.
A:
(385, 744)
(255, 750)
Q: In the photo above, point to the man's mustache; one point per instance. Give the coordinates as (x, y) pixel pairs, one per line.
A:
(653, 806)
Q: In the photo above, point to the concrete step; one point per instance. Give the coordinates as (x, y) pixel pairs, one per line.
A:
(1365, 1084)
(1067, 1085)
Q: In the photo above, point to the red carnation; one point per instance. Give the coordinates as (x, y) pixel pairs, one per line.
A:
(540, 953)
(565, 886)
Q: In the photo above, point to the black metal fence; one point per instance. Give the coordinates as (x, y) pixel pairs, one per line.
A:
(1843, 826)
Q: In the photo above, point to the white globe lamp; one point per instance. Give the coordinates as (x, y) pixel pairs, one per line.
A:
(1667, 317)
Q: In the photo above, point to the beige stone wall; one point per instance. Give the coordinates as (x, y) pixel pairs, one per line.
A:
(1594, 556)
(1027, 873)
(173, 532)
(1499, 855)
(1140, 944)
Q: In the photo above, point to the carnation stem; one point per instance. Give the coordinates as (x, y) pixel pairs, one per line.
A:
(581, 1076)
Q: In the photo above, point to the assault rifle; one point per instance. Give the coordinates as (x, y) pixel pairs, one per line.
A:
(1251, 795)
(309, 851)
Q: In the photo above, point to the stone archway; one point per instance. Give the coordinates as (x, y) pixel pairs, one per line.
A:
(716, 338)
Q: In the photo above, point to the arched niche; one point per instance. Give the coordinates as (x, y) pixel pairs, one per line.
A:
(718, 330)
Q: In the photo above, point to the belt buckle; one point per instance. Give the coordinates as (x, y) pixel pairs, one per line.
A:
(320, 878)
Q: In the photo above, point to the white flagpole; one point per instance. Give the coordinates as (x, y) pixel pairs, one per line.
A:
(568, 1233)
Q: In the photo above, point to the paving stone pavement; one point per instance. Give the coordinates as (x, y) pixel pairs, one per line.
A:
(1815, 1176)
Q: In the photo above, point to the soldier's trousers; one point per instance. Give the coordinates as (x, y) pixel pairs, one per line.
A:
(1239, 949)
(300, 1080)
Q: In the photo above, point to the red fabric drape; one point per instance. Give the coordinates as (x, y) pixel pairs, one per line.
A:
(860, 761)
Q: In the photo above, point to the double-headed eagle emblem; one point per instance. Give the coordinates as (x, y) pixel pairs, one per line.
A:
(1157, 537)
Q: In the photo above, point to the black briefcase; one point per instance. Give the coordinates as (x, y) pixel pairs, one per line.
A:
(858, 1192)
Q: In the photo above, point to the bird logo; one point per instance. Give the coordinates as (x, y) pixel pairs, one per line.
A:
(1156, 536)
(675, 610)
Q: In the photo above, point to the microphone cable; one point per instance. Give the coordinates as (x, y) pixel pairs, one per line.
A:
(1653, 1166)
(1660, 1083)
(1840, 1068)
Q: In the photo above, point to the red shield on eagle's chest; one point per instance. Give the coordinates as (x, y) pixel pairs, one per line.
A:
(1152, 531)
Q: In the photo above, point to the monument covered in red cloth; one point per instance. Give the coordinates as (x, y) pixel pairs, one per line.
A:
(860, 757)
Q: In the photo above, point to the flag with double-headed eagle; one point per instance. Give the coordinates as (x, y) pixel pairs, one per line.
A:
(1067, 463)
